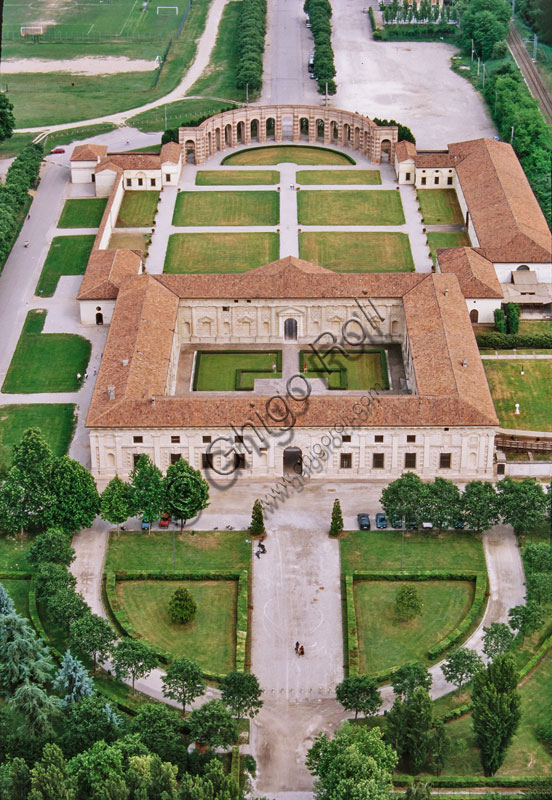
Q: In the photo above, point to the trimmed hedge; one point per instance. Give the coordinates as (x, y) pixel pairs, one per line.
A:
(37, 622)
(242, 620)
(508, 341)
(476, 780)
(239, 372)
(16, 576)
(251, 44)
(342, 372)
(372, 18)
(352, 628)
(320, 12)
(235, 764)
(429, 32)
(14, 196)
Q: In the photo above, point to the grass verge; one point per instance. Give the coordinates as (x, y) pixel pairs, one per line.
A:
(234, 177)
(357, 252)
(68, 255)
(532, 390)
(320, 177)
(343, 207)
(220, 252)
(85, 213)
(227, 208)
(293, 154)
(180, 112)
(55, 420)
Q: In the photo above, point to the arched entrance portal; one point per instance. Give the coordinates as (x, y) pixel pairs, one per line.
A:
(293, 461)
(99, 315)
(474, 315)
(290, 330)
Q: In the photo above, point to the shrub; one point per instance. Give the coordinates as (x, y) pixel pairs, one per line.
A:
(182, 607)
(21, 176)
(512, 317)
(251, 44)
(505, 341)
(407, 603)
(499, 320)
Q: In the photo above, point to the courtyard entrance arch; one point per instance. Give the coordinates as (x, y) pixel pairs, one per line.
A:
(293, 461)
(290, 330)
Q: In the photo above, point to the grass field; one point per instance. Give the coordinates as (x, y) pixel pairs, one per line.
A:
(294, 154)
(227, 208)
(68, 255)
(217, 371)
(440, 207)
(220, 252)
(335, 176)
(358, 252)
(13, 554)
(130, 241)
(138, 210)
(437, 240)
(533, 392)
(85, 213)
(385, 642)
(535, 327)
(13, 146)
(343, 207)
(364, 370)
(178, 113)
(55, 420)
(46, 362)
(210, 638)
(19, 593)
(237, 176)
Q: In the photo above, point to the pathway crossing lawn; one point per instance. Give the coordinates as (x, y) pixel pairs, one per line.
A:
(385, 642)
(230, 177)
(227, 208)
(55, 420)
(68, 255)
(343, 207)
(210, 637)
(365, 370)
(216, 372)
(533, 392)
(220, 252)
(19, 593)
(440, 207)
(84, 213)
(357, 252)
(138, 210)
(292, 154)
(335, 176)
(455, 239)
(46, 362)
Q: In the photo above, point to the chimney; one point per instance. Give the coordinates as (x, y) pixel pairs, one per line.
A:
(464, 363)
(446, 292)
(125, 362)
(153, 400)
(111, 392)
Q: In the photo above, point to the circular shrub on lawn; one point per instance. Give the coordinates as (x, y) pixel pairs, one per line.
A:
(182, 607)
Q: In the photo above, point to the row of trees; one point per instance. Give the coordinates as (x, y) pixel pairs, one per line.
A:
(251, 44)
(21, 176)
(484, 21)
(320, 13)
(417, 12)
(507, 321)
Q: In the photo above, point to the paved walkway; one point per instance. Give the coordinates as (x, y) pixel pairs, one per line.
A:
(518, 356)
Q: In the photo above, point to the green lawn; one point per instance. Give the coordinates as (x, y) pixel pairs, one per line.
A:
(294, 154)
(55, 420)
(437, 240)
(334, 176)
(85, 213)
(130, 241)
(19, 593)
(364, 369)
(385, 642)
(220, 252)
(231, 177)
(68, 255)
(344, 207)
(535, 327)
(227, 208)
(357, 252)
(210, 639)
(440, 207)
(533, 392)
(46, 362)
(13, 554)
(12, 147)
(216, 372)
(138, 209)
(181, 112)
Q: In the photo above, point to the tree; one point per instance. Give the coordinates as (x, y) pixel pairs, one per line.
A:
(183, 681)
(406, 497)
(242, 694)
(52, 578)
(76, 500)
(91, 719)
(214, 783)
(526, 619)
(418, 789)
(443, 503)
(33, 459)
(52, 546)
(14, 779)
(359, 693)
(148, 497)
(36, 707)
(537, 557)
(523, 504)
(13, 512)
(405, 134)
(159, 727)
(497, 639)
(133, 659)
(65, 606)
(539, 587)
(499, 320)
(356, 764)
(50, 779)
(512, 309)
(409, 724)
(6, 603)
(182, 606)
(439, 747)
(147, 776)
(73, 680)
(461, 665)
(186, 491)
(407, 603)
(479, 506)
(496, 711)
(99, 773)
(116, 502)
(257, 527)
(23, 657)
(408, 677)
(336, 525)
(7, 119)
(92, 636)
(212, 725)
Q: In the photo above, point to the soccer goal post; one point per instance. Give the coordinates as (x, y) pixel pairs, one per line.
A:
(167, 8)
(31, 30)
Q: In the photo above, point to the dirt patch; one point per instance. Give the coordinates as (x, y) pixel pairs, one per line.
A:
(91, 65)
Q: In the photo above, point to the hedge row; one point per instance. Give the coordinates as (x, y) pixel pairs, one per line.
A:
(251, 44)
(237, 381)
(320, 12)
(176, 575)
(476, 780)
(507, 341)
(372, 18)
(15, 576)
(235, 764)
(419, 31)
(352, 629)
(14, 196)
(242, 620)
(459, 632)
(414, 575)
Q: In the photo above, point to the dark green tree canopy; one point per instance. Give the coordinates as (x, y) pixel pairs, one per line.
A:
(7, 119)
(242, 694)
(408, 677)
(212, 724)
(54, 546)
(186, 491)
(76, 500)
(359, 693)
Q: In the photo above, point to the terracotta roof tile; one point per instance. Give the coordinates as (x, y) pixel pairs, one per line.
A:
(436, 160)
(106, 271)
(405, 150)
(88, 152)
(171, 153)
(475, 273)
(123, 161)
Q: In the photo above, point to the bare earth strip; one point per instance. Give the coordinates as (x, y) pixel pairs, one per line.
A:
(90, 65)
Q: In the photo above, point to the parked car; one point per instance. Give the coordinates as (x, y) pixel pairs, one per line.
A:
(459, 524)
(396, 521)
(363, 522)
(145, 524)
(165, 520)
(427, 526)
(381, 522)
(411, 525)
(57, 150)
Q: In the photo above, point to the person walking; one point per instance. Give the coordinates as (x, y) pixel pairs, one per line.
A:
(301, 651)
(296, 647)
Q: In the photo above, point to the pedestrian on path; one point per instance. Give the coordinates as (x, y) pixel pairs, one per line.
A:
(26, 243)
(78, 376)
(296, 647)
(29, 216)
(273, 366)
(301, 651)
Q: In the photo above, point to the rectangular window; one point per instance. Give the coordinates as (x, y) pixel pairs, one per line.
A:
(423, 181)
(436, 180)
(175, 439)
(346, 437)
(175, 458)
(226, 308)
(129, 181)
(410, 437)
(407, 176)
(444, 461)
(207, 460)
(378, 438)
(168, 177)
(93, 178)
(206, 439)
(140, 182)
(135, 458)
(238, 439)
(410, 460)
(137, 439)
(239, 461)
(346, 461)
(378, 460)
(152, 181)
(449, 181)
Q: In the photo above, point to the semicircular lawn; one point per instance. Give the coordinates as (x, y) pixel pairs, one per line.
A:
(210, 639)
(293, 154)
(384, 642)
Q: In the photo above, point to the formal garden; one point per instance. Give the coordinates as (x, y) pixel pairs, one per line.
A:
(227, 208)
(234, 177)
(291, 154)
(357, 252)
(220, 252)
(138, 209)
(234, 370)
(348, 370)
(85, 212)
(350, 207)
(439, 207)
(319, 177)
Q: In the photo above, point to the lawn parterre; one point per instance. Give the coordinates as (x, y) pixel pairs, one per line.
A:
(130, 241)
(220, 252)
(439, 207)
(232, 177)
(227, 208)
(68, 255)
(56, 422)
(357, 252)
(353, 370)
(233, 371)
(319, 177)
(138, 209)
(532, 390)
(83, 213)
(454, 239)
(293, 154)
(350, 207)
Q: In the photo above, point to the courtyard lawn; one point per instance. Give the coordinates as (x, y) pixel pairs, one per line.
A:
(138, 210)
(440, 207)
(231, 177)
(130, 241)
(220, 252)
(210, 637)
(336, 176)
(55, 420)
(292, 154)
(445, 604)
(365, 370)
(46, 362)
(217, 372)
(85, 213)
(19, 593)
(535, 327)
(227, 208)
(437, 240)
(68, 255)
(533, 392)
(13, 554)
(343, 207)
(357, 252)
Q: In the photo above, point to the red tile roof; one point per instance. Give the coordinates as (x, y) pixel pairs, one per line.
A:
(476, 274)
(88, 152)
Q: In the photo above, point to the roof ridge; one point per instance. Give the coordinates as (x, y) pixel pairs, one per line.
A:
(445, 331)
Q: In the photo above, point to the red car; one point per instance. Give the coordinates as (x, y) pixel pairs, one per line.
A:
(165, 520)
(57, 150)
